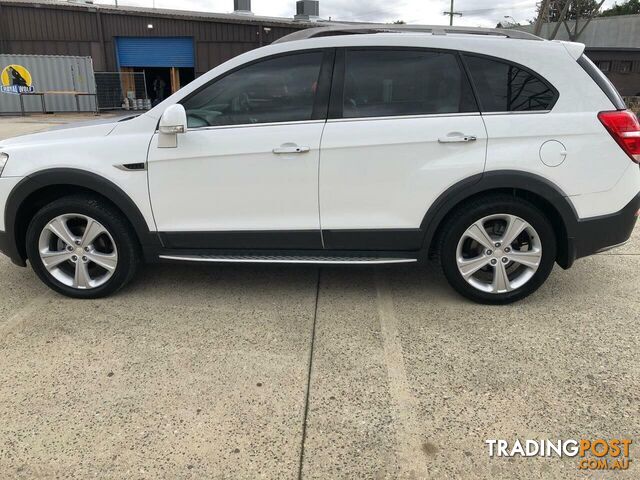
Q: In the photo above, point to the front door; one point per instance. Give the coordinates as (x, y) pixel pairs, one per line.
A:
(404, 128)
(245, 174)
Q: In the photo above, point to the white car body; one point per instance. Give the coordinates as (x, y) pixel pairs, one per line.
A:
(357, 174)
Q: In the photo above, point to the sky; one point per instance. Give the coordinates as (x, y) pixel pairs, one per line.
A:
(485, 13)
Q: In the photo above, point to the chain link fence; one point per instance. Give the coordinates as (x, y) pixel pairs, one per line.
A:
(117, 90)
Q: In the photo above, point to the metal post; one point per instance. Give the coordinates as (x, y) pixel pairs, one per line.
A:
(144, 82)
(451, 13)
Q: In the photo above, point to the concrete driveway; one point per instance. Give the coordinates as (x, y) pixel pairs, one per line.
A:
(305, 372)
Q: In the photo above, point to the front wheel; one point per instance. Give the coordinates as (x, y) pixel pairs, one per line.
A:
(497, 250)
(81, 246)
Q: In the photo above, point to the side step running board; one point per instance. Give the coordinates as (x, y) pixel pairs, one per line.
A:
(287, 259)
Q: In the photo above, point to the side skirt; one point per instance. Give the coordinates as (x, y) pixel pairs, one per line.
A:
(290, 257)
(285, 259)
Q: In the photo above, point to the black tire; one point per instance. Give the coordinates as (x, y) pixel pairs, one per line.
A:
(117, 226)
(469, 213)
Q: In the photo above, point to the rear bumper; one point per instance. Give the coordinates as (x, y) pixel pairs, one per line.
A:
(597, 234)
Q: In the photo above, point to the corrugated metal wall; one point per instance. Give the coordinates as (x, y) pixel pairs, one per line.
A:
(51, 74)
(48, 29)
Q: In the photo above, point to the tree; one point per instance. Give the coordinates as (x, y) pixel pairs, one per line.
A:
(399, 22)
(578, 12)
(576, 9)
(630, 7)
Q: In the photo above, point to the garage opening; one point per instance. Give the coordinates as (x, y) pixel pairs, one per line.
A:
(168, 63)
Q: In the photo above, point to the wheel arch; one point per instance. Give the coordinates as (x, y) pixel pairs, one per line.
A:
(40, 188)
(545, 195)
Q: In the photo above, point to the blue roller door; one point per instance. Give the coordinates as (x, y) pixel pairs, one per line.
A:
(155, 51)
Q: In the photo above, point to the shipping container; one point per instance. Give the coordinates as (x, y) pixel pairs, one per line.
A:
(49, 83)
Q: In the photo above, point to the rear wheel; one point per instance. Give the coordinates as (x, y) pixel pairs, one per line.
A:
(497, 249)
(81, 247)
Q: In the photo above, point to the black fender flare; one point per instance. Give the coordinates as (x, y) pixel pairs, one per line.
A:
(77, 178)
(505, 180)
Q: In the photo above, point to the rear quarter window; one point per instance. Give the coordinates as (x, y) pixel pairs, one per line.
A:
(505, 87)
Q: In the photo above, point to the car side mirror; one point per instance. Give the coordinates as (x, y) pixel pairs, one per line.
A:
(172, 122)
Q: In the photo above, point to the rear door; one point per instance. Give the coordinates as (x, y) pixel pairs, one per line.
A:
(403, 127)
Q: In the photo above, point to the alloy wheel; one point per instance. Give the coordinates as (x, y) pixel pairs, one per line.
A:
(499, 253)
(78, 251)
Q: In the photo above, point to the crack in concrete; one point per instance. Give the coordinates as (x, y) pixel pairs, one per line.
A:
(308, 390)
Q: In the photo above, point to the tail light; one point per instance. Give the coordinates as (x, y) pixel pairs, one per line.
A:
(624, 127)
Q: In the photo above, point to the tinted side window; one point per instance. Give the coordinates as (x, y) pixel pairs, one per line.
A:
(503, 87)
(280, 89)
(382, 83)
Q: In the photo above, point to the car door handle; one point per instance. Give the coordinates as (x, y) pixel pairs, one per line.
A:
(457, 138)
(290, 149)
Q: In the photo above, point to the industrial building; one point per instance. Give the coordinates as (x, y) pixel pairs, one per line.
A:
(613, 43)
(171, 47)
(153, 52)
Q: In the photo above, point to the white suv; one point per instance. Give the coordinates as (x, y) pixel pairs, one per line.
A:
(495, 152)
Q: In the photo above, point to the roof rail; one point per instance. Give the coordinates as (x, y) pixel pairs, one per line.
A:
(335, 30)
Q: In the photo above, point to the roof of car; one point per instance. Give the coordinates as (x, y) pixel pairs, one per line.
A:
(340, 30)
